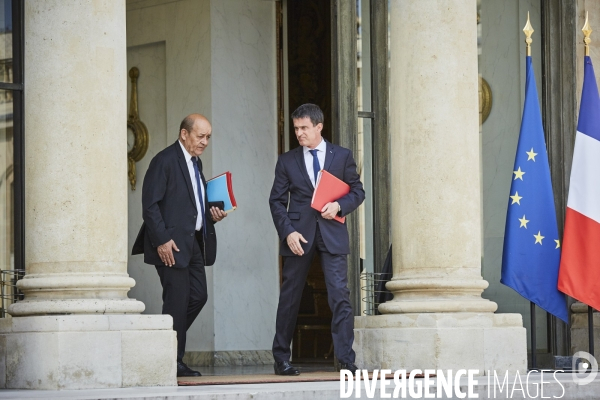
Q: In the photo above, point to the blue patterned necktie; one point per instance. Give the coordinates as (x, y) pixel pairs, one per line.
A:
(316, 167)
(200, 199)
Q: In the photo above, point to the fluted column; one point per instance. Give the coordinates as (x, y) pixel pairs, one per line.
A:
(76, 328)
(437, 318)
(75, 159)
(436, 172)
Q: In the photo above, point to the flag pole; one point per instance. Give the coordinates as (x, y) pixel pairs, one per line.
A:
(587, 31)
(591, 329)
(528, 30)
(533, 339)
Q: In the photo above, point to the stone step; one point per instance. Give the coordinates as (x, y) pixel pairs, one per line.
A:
(567, 389)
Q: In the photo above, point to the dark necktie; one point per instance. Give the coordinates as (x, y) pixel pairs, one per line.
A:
(200, 199)
(316, 167)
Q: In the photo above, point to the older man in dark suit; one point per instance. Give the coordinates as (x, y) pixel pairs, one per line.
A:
(304, 231)
(178, 234)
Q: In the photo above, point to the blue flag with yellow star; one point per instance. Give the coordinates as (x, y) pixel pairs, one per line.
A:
(531, 254)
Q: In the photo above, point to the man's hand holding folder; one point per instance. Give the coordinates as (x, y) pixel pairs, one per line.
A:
(327, 191)
(219, 191)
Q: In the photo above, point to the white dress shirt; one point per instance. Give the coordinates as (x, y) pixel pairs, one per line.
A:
(308, 159)
(190, 165)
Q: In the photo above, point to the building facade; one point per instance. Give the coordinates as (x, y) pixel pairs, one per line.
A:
(427, 94)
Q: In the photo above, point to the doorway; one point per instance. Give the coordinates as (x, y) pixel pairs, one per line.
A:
(334, 53)
(306, 65)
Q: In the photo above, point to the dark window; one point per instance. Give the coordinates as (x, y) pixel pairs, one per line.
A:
(11, 148)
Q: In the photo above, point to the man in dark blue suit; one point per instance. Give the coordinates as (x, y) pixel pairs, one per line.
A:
(304, 231)
(178, 234)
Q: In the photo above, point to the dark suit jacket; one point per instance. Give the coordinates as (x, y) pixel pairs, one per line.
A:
(169, 210)
(291, 177)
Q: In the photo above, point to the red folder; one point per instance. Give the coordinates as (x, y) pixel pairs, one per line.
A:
(329, 189)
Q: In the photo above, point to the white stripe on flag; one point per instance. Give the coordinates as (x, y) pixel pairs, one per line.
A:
(584, 191)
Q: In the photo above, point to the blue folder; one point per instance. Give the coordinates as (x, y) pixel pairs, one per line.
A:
(219, 188)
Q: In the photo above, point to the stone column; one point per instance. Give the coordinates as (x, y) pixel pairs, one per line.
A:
(76, 199)
(437, 318)
(71, 330)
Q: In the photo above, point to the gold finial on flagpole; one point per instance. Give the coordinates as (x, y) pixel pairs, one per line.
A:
(587, 31)
(528, 32)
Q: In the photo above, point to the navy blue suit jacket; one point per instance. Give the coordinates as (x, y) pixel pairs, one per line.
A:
(169, 210)
(292, 181)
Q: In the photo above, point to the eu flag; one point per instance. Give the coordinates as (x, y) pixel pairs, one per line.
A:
(531, 254)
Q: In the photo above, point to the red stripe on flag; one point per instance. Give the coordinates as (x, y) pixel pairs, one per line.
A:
(579, 274)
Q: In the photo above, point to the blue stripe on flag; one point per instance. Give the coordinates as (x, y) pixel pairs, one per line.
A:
(589, 123)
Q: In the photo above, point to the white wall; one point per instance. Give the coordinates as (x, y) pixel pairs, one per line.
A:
(150, 59)
(244, 114)
(219, 60)
(173, 83)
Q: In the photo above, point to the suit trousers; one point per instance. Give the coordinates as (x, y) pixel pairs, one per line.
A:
(184, 294)
(295, 270)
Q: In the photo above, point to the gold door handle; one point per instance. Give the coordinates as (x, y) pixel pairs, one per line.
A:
(140, 132)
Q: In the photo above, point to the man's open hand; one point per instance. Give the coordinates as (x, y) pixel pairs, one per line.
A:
(165, 252)
(293, 240)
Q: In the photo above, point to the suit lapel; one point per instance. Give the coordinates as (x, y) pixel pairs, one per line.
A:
(329, 154)
(302, 165)
(185, 171)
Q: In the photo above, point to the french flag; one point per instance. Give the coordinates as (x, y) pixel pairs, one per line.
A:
(579, 274)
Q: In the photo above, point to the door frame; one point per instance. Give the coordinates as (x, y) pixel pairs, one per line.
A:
(345, 123)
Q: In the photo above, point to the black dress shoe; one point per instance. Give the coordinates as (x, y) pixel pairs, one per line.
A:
(349, 367)
(285, 368)
(184, 370)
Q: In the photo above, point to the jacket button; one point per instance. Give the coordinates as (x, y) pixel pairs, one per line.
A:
(194, 216)
(191, 234)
